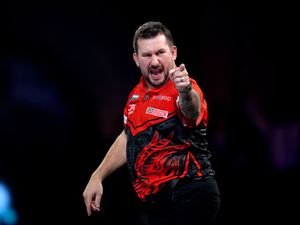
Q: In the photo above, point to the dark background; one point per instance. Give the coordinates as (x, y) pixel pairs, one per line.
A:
(67, 68)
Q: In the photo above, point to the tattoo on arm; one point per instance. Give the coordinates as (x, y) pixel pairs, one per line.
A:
(190, 104)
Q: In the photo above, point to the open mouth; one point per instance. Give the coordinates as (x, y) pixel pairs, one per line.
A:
(155, 74)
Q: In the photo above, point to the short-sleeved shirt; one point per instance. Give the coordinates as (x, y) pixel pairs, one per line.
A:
(162, 144)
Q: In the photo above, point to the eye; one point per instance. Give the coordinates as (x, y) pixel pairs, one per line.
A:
(160, 52)
(146, 55)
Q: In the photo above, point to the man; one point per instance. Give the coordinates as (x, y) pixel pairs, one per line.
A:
(164, 139)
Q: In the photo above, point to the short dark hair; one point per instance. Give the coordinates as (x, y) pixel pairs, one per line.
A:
(150, 30)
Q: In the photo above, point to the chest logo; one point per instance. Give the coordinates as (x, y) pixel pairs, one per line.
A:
(157, 112)
(134, 97)
(131, 108)
(162, 98)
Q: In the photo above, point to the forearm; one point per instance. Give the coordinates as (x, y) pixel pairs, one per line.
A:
(114, 159)
(189, 104)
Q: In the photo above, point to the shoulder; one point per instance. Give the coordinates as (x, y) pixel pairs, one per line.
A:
(135, 92)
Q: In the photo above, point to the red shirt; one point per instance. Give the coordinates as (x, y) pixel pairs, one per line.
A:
(162, 144)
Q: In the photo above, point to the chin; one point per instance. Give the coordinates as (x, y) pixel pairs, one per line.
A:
(158, 83)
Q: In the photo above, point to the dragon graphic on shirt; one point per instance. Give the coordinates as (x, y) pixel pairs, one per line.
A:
(157, 163)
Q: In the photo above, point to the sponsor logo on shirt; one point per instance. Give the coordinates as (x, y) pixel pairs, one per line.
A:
(157, 112)
(146, 97)
(131, 108)
(162, 97)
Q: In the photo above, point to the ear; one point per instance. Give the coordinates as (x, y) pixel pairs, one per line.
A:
(174, 52)
(135, 58)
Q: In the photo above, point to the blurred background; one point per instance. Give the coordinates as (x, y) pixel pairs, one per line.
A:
(66, 71)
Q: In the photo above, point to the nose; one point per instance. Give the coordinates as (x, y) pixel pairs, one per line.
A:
(155, 61)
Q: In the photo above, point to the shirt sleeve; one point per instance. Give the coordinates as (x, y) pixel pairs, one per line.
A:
(125, 112)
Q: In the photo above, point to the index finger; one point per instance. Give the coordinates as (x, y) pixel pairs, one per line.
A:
(88, 208)
(173, 71)
(182, 67)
